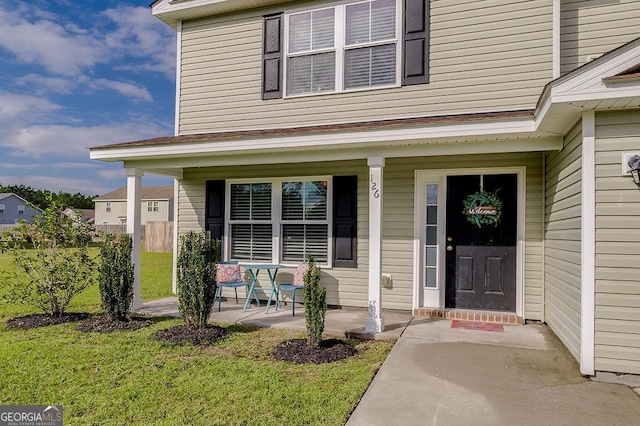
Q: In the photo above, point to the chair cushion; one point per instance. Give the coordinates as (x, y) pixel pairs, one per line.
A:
(228, 273)
(298, 276)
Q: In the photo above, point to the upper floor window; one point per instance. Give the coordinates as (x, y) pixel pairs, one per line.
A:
(1, 208)
(21, 209)
(343, 47)
(107, 206)
(152, 206)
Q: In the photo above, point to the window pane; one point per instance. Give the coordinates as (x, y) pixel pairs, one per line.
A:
(300, 240)
(292, 201)
(383, 20)
(370, 66)
(432, 215)
(357, 23)
(432, 194)
(251, 201)
(311, 73)
(322, 28)
(300, 32)
(304, 200)
(432, 256)
(432, 235)
(251, 242)
(431, 280)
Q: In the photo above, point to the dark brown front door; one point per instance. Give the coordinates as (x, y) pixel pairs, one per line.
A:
(481, 261)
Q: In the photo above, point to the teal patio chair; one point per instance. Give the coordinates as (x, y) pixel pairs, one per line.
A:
(297, 284)
(228, 275)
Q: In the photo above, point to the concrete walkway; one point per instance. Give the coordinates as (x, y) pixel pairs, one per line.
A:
(436, 375)
(439, 375)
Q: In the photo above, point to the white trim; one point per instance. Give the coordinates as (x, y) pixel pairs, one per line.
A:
(374, 322)
(514, 130)
(422, 176)
(276, 215)
(544, 243)
(588, 250)
(556, 39)
(134, 223)
(176, 211)
(176, 130)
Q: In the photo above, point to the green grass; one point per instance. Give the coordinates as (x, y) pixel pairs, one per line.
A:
(130, 378)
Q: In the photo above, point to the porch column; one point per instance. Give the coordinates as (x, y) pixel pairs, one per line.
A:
(134, 194)
(374, 322)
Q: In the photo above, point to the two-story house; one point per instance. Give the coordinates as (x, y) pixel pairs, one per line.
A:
(469, 155)
(156, 204)
(14, 208)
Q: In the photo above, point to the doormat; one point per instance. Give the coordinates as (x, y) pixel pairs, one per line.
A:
(473, 325)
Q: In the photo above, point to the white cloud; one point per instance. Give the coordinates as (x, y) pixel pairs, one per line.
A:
(39, 140)
(12, 105)
(49, 44)
(112, 174)
(56, 184)
(141, 35)
(130, 90)
(62, 86)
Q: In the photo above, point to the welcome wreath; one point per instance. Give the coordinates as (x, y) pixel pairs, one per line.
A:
(483, 208)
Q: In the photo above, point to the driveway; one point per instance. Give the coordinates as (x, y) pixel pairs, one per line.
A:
(439, 375)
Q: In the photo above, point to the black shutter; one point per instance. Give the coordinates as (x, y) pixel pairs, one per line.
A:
(345, 221)
(214, 214)
(272, 57)
(415, 65)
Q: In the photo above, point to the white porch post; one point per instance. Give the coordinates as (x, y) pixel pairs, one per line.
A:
(374, 322)
(134, 194)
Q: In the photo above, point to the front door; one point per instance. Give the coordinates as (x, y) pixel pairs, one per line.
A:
(481, 255)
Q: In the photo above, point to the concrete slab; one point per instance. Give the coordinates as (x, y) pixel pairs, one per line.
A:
(341, 322)
(442, 376)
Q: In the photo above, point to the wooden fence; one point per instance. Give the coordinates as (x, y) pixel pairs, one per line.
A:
(5, 228)
(159, 237)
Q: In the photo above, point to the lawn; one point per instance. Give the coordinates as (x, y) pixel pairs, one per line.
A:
(130, 378)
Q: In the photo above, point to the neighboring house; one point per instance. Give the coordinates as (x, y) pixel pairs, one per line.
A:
(156, 205)
(13, 208)
(357, 130)
(85, 215)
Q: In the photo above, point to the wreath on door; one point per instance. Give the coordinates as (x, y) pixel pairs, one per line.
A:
(483, 208)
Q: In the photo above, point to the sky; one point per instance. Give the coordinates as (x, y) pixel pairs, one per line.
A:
(77, 74)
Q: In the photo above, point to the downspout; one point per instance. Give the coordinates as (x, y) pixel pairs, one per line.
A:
(176, 183)
(544, 235)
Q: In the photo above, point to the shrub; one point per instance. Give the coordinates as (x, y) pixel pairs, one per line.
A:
(115, 276)
(315, 303)
(197, 277)
(51, 256)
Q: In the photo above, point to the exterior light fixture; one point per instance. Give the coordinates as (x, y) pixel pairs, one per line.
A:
(634, 166)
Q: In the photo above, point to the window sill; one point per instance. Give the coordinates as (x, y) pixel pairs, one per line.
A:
(347, 91)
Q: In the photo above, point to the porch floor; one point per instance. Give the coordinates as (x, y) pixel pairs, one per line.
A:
(341, 322)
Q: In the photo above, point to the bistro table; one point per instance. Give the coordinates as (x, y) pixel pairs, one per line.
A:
(254, 270)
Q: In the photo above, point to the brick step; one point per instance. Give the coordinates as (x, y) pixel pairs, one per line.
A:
(466, 315)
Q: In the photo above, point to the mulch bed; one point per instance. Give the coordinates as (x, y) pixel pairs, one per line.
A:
(181, 334)
(104, 324)
(298, 350)
(40, 320)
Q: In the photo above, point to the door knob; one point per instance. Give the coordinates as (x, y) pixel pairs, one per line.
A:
(449, 248)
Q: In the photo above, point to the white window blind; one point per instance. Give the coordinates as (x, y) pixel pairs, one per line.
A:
(367, 48)
(304, 221)
(251, 227)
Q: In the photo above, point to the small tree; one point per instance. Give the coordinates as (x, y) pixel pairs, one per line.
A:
(115, 276)
(51, 258)
(315, 303)
(197, 277)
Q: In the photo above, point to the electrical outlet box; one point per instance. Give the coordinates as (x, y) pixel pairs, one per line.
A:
(625, 162)
(387, 281)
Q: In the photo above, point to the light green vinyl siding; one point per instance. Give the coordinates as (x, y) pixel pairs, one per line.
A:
(617, 245)
(349, 287)
(563, 240)
(484, 56)
(591, 27)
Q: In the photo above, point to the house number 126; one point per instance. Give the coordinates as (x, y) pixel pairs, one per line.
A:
(374, 188)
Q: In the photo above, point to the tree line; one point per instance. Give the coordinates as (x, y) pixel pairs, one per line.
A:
(43, 198)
